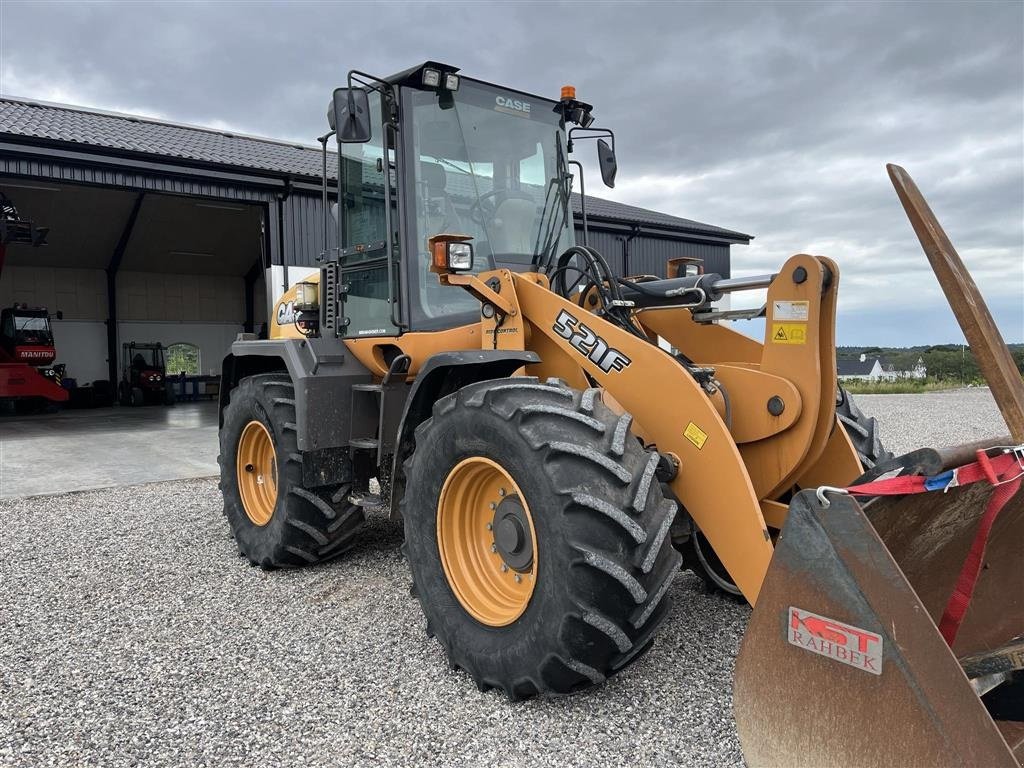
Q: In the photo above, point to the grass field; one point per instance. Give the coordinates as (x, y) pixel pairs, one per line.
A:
(902, 387)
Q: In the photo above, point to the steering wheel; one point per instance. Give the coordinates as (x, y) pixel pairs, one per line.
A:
(484, 207)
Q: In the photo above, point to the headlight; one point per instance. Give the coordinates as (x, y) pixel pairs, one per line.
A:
(460, 257)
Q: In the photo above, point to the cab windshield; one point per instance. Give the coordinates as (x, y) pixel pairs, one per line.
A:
(147, 357)
(491, 164)
(30, 328)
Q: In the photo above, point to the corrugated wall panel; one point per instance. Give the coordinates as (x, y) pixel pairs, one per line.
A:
(303, 229)
(129, 179)
(608, 244)
(649, 255)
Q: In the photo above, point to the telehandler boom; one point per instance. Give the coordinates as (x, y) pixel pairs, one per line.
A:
(555, 465)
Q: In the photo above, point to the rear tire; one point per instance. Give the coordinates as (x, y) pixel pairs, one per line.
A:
(305, 526)
(862, 430)
(603, 558)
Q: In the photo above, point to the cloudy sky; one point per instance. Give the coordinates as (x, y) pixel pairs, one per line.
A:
(776, 120)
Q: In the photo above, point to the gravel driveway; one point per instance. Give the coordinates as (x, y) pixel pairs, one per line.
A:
(131, 633)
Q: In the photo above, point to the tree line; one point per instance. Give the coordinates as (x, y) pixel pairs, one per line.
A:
(944, 362)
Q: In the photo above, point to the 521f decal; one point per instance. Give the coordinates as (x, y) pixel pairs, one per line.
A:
(589, 344)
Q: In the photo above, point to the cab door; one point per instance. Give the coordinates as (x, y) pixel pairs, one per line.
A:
(369, 272)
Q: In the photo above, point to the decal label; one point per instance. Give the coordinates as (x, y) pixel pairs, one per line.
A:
(840, 642)
(695, 435)
(589, 344)
(286, 313)
(512, 106)
(789, 333)
(791, 310)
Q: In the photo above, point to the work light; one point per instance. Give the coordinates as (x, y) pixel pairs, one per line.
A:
(451, 82)
(307, 297)
(432, 78)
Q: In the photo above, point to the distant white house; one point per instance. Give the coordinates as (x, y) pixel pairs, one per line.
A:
(917, 372)
(863, 369)
(877, 369)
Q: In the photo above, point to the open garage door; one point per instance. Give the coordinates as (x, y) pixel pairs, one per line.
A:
(126, 266)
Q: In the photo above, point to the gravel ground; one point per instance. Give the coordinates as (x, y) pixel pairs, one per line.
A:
(131, 633)
(935, 419)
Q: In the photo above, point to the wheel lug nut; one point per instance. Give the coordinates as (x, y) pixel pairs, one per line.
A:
(504, 568)
(490, 526)
(501, 491)
(518, 578)
(493, 505)
(494, 547)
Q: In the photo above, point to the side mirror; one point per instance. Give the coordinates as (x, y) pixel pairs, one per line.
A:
(59, 314)
(351, 115)
(606, 157)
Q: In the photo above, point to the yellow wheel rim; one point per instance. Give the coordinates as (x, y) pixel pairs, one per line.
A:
(256, 468)
(487, 541)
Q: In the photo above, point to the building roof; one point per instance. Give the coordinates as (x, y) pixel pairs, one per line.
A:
(599, 208)
(116, 133)
(855, 367)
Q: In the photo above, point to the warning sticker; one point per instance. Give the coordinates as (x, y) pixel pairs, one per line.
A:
(790, 310)
(789, 333)
(839, 642)
(695, 435)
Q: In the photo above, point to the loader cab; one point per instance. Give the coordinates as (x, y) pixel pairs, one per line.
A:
(26, 335)
(462, 157)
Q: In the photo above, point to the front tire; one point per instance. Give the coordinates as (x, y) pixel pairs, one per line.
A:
(862, 429)
(601, 560)
(276, 522)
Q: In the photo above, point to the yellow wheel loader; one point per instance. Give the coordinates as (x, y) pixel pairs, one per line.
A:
(559, 441)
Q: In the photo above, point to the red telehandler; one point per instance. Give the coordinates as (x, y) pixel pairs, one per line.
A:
(26, 338)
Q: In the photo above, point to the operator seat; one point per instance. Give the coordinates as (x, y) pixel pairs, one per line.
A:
(440, 214)
(514, 227)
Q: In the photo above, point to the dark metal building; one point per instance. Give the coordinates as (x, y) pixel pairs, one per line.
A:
(164, 232)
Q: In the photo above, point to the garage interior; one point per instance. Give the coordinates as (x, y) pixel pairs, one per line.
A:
(169, 233)
(123, 266)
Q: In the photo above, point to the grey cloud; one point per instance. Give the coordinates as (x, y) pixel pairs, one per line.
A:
(774, 119)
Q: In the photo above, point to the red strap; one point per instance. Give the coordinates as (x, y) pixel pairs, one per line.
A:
(983, 469)
(956, 608)
(991, 470)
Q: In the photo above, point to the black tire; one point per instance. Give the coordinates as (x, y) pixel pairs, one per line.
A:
(602, 528)
(862, 429)
(308, 526)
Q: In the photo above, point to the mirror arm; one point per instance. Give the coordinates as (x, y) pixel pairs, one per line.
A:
(323, 188)
(591, 133)
(583, 199)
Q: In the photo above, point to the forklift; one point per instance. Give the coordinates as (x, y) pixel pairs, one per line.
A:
(143, 375)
